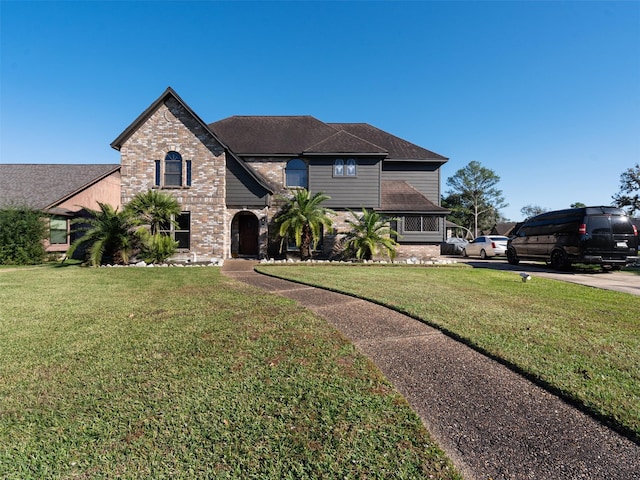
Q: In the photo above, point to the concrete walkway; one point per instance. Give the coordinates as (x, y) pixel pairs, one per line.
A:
(492, 422)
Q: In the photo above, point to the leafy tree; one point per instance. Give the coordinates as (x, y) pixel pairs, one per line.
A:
(370, 233)
(152, 209)
(474, 188)
(22, 231)
(629, 195)
(529, 211)
(302, 219)
(108, 233)
(578, 205)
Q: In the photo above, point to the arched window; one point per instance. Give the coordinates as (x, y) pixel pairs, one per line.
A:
(339, 169)
(173, 169)
(351, 167)
(296, 173)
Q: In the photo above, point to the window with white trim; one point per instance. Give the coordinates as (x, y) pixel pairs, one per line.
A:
(345, 169)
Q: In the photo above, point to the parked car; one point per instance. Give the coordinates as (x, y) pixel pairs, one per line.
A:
(453, 246)
(593, 235)
(486, 246)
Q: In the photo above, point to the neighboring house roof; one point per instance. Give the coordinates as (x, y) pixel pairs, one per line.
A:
(306, 135)
(43, 186)
(399, 196)
(503, 228)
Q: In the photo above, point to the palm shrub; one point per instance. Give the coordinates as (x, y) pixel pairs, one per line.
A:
(156, 248)
(107, 233)
(370, 233)
(150, 211)
(302, 219)
(22, 231)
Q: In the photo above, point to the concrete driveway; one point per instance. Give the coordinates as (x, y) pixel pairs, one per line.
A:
(619, 281)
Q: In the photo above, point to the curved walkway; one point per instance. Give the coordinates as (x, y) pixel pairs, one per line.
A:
(491, 422)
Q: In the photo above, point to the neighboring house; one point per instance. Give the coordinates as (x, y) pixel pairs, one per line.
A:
(59, 191)
(506, 229)
(230, 177)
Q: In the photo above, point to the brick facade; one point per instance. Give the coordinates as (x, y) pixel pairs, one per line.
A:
(172, 128)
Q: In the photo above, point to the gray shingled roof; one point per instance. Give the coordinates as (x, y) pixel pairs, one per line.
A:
(399, 196)
(298, 135)
(271, 135)
(398, 148)
(41, 186)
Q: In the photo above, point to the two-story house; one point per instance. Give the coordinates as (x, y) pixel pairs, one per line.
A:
(230, 177)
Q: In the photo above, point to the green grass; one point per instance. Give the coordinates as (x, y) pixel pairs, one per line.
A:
(581, 342)
(183, 373)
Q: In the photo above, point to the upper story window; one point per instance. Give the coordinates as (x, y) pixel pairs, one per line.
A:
(351, 167)
(344, 169)
(173, 171)
(296, 173)
(338, 168)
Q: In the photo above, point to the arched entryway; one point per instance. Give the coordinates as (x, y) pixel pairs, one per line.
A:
(245, 231)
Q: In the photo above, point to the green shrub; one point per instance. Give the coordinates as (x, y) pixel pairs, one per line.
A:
(156, 248)
(22, 231)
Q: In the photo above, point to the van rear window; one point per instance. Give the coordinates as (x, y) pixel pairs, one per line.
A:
(599, 225)
(621, 225)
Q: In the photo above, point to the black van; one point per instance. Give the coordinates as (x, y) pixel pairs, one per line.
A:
(593, 235)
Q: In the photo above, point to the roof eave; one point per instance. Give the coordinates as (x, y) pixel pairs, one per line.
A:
(407, 211)
(344, 154)
(417, 160)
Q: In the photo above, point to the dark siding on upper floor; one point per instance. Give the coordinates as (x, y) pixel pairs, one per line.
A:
(242, 189)
(424, 177)
(360, 191)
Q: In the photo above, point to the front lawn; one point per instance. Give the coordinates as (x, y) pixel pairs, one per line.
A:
(579, 341)
(183, 373)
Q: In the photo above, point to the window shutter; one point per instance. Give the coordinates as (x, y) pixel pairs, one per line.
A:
(188, 173)
(157, 181)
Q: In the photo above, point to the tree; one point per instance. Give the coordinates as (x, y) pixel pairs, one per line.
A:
(370, 233)
(629, 195)
(529, 211)
(302, 219)
(22, 231)
(152, 209)
(474, 188)
(578, 205)
(108, 233)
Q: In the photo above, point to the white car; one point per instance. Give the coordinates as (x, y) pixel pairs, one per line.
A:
(486, 246)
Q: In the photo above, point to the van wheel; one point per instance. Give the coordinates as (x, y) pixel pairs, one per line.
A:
(558, 260)
(512, 258)
(483, 254)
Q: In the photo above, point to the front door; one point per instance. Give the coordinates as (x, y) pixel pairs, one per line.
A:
(248, 234)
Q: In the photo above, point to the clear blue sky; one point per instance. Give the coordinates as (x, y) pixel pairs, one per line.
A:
(546, 94)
